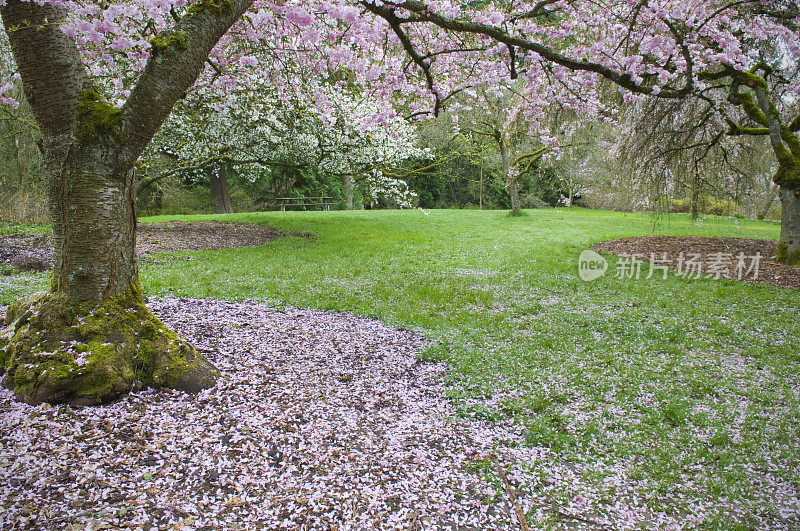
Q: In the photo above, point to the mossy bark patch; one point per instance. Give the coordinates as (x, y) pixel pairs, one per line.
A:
(162, 41)
(214, 6)
(788, 257)
(97, 117)
(55, 353)
(789, 249)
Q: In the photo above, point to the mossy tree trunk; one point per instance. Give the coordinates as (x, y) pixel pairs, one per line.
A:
(92, 338)
(789, 248)
(751, 92)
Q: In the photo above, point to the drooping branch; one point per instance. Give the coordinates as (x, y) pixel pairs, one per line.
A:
(206, 163)
(424, 65)
(422, 14)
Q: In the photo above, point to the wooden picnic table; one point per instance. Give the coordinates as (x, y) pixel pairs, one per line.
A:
(323, 201)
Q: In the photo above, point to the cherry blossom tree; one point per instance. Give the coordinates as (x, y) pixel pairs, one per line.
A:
(499, 117)
(101, 80)
(92, 337)
(333, 130)
(740, 56)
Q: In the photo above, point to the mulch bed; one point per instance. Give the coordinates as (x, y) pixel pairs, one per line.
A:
(724, 253)
(35, 253)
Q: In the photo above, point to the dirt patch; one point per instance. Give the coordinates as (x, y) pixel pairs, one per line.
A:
(35, 253)
(743, 259)
(202, 235)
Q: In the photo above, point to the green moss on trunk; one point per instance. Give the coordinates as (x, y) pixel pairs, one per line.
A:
(788, 174)
(97, 117)
(57, 354)
(214, 6)
(162, 41)
(788, 257)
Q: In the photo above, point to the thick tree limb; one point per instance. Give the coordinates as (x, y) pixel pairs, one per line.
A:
(421, 14)
(52, 72)
(173, 69)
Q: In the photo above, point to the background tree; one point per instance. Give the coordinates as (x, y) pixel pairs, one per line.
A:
(20, 158)
(331, 131)
(740, 56)
(498, 116)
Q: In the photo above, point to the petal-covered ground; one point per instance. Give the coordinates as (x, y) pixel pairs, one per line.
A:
(327, 421)
(320, 420)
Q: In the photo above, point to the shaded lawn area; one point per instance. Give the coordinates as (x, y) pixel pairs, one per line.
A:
(680, 396)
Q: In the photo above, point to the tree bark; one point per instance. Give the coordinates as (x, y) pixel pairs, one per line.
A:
(513, 192)
(219, 188)
(94, 223)
(511, 180)
(789, 250)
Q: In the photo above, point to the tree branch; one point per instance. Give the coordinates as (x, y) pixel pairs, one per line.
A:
(422, 14)
(173, 69)
(49, 62)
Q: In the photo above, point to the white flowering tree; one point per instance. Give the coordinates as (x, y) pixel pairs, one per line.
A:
(329, 129)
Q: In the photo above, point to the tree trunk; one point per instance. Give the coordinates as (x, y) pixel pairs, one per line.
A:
(695, 206)
(513, 192)
(219, 188)
(92, 338)
(511, 180)
(349, 185)
(480, 193)
(789, 248)
(761, 213)
(94, 224)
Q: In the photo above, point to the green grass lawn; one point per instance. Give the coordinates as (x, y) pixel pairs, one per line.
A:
(682, 393)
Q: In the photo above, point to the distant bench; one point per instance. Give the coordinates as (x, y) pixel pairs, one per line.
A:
(324, 202)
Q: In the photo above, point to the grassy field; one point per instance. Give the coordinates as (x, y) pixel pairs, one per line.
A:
(681, 393)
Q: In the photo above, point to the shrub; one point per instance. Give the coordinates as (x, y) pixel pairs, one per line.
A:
(706, 204)
(531, 201)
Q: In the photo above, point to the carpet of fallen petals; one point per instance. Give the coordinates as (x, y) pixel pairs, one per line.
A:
(319, 421)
